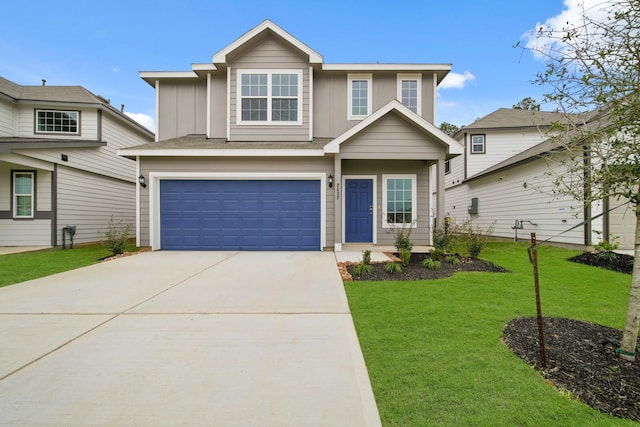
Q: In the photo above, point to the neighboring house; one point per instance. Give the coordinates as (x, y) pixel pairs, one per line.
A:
(498, 182)
(268, 148)
(59, 167)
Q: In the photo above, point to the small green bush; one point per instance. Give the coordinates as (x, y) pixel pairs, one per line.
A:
(116, 236)
(441, 238)
(431, 264)
(436, 254)
(472, 238)
(402, 235)
(405, 257)
(361, 268)
(453, 260)
(392, 267)
(366, 256)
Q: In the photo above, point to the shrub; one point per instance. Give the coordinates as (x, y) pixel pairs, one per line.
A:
(431, 264)
(473, 238)
(453, 260)
(405, 257)
(362, 268)
(366, 257)
(116, 236)
(402, 235)
(441, 238)
(436, 254)
(607, 246)
(392, 267)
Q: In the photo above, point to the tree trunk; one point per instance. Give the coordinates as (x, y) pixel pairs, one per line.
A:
(630, 333)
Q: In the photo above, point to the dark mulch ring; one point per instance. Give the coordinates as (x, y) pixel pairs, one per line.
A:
(581, 359)
(609, 260)
(415, 270)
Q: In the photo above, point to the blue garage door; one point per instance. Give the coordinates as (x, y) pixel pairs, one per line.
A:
(239, 215)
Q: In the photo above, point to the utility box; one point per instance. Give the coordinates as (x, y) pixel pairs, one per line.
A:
(473, 208)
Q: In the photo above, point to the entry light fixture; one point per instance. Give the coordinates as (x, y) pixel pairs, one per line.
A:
(330, 181)
(142, 181)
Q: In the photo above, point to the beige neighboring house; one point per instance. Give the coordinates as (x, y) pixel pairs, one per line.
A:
(497, 182)
(267, 147)
(59, 167)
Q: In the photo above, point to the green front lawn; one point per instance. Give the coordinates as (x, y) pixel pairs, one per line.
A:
(433, 348)
(15, 268)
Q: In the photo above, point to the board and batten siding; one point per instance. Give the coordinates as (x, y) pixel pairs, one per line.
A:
(421, 235)
(269, 54)
(88, 201)
(392, 137)
(235, 165)
(182, 108)
(503, 199)
(6, 118)
(218, 111)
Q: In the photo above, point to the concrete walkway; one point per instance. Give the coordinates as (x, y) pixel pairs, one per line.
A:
(189, 338)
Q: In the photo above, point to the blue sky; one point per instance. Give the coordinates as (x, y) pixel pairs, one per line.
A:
(103, 45)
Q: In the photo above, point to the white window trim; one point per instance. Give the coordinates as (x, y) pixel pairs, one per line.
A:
(46, 110)
(156, 177)
(418, 79)
(484, 144)
(414, 199)
(15, 194)
(369, 79)
(269, 73)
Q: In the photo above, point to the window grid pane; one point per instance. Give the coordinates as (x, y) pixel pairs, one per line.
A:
(359, 97)
(269, 97)
(23, 194)
(57, 121)
(410, 94)
(254, 109)
(399, 201)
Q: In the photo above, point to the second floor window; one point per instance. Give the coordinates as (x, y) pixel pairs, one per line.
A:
(270, 97)
(409, 91)
(359, 96)
(477, 144)
(56, 121)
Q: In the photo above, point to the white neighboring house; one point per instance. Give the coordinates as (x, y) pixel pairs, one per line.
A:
(59, 167)
(497, 182)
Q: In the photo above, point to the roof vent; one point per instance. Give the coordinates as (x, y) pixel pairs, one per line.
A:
(44, 82)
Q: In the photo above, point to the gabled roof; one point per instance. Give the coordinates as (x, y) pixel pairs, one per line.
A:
(505, 118)
(267, 25)
(455, 148)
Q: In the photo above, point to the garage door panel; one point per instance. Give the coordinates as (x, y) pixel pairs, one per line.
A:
(240, 215)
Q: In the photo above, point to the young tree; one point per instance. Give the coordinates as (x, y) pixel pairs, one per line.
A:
(449, 128)
(527, 103)
(593, 73)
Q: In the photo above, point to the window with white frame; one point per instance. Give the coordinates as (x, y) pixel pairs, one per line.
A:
(477, 144)
(359, 97)
(269, 97)
(57, 121)
(23, 194)
(399, 199)
(409, 91)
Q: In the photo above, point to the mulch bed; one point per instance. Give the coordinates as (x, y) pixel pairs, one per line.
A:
(581, 358)
(609, 260)
(415, 270)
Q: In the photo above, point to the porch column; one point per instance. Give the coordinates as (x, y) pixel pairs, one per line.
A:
(440, 194)
(337, 192)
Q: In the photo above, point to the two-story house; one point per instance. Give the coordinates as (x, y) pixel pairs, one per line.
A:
(504, 180)
(267, 147)
(59, 167)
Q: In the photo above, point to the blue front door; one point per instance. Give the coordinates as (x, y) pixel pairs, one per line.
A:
(359, 210)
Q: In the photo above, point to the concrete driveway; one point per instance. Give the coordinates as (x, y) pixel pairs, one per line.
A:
(189, 338)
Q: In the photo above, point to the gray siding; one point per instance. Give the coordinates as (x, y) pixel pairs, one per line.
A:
(26, 122)
(269, 54)
(88, 201)
(392, 138)
(622, 223)
(421, 235)
(6, 118)
(218, 106)
(428, 98)
(182, 108)
(236, 165)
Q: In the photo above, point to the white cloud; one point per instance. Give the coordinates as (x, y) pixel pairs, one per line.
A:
(456, 80)
(545, 37)
(115, 69)
(143, 119)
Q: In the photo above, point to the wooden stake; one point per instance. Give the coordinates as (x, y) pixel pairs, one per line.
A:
(533, 256)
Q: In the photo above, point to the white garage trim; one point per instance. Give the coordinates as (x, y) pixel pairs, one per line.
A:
(156, 177)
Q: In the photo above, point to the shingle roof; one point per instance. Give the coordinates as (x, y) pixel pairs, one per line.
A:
(74, 94)
(515, 118)
(200, 141)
